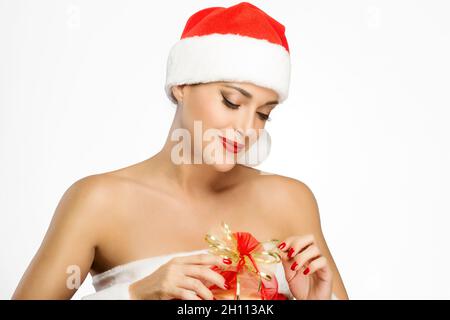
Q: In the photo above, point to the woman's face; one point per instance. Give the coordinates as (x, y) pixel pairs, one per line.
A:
(228, 116)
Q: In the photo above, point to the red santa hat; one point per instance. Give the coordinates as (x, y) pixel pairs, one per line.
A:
(241, 43)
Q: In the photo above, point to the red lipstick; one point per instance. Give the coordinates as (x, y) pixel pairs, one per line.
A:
(231, 145)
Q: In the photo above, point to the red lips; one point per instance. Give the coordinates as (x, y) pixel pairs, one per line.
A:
(231, 145)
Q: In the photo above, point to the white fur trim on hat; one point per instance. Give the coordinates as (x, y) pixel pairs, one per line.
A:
(228, 57)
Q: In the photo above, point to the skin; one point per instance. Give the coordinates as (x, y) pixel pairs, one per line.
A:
(155, 207)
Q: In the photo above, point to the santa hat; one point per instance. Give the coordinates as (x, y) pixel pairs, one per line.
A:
(241, 43)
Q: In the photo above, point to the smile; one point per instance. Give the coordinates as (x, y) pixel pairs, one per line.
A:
(231, 146)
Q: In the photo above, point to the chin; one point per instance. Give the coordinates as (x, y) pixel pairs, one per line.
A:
(221, 163)
(223, 167)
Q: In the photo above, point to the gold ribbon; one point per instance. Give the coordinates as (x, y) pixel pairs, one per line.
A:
(227, 247)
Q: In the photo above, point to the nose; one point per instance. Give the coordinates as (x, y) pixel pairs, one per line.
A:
(246, 127)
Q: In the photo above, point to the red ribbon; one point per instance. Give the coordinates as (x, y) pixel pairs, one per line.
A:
(246, 244)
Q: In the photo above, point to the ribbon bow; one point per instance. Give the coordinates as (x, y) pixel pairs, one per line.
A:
(245, 252)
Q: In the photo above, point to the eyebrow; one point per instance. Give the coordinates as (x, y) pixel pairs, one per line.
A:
(249, 95)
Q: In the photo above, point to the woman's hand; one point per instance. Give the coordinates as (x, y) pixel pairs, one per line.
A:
(182, 278)
(307, 271)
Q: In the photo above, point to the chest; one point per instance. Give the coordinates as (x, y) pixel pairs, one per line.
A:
(146, 226)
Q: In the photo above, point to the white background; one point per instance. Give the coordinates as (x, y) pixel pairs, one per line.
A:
(365, 125)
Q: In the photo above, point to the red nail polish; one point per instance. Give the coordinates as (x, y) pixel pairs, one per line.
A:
(227, 261)
(215, 268)
(294, 265)
(226, 286)
(281, 245)
(306, 271)
(291, 251)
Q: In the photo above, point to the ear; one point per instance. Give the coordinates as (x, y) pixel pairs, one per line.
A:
(177, 92)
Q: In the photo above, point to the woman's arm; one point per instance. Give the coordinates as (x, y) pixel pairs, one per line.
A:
(304, 218)
(67, 251)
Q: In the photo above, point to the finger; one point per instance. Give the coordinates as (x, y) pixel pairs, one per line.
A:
(203, 259)
(320, 265)
(184, 294)
(206, 275)
(286, 243)
(304, 257)
(299, 244)
(198, 287)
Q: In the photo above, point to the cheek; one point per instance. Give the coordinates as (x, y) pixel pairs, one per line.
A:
(213, 115)
(201, 115)
(258, 133)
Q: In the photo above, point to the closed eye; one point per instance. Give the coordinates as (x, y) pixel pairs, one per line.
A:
(229, 104)
(264, 116)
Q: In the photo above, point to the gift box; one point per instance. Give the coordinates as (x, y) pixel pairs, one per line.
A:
(251, 274)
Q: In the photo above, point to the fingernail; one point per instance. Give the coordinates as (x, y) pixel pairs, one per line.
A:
(306, 271)
(214, 268)
(281, 245)
(226, 286)
(226, 261)
(294, 265)
(291, 251)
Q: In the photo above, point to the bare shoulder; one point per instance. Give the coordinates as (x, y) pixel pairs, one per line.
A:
(289, 198)
(93, 190)
(89, 188)
(70, 240)
(293, 202)
(89, 199)
(294, 191)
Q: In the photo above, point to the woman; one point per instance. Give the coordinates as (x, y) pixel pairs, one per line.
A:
(228, 71)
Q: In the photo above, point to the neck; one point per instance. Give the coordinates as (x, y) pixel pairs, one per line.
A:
(191, 178)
